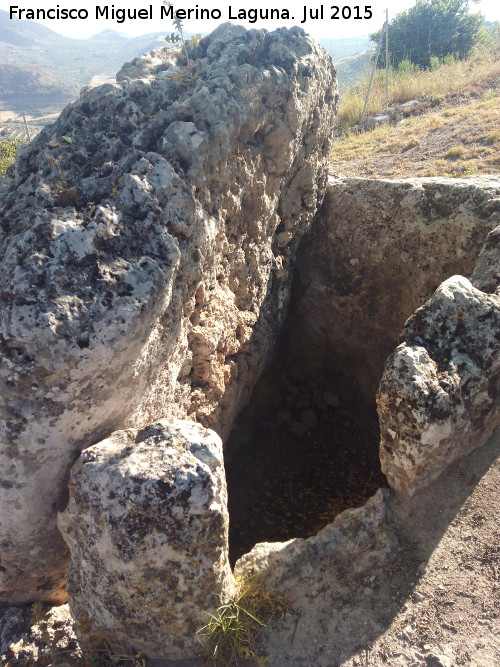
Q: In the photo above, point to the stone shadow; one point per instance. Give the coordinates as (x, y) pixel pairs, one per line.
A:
(342, 613)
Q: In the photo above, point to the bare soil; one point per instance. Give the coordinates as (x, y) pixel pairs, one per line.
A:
(437, 603)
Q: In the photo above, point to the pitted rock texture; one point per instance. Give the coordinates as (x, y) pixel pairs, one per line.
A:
(147, 243)
(376, 252)
(358, 540)
(486, 276)
(147, 528)
(439, 395)
(35, 635)
(157, 62)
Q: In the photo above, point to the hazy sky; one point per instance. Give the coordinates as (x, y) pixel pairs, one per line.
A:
(319, 28)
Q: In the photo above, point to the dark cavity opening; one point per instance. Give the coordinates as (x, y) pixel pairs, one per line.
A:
(298, 455)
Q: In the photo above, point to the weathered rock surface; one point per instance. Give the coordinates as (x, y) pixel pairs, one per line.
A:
(147, 244)
(358, 540)
(448, 537)
(147, 528)
(148, 66)
(34, 635)
(439, 394)
(486, 275)
(376, 252)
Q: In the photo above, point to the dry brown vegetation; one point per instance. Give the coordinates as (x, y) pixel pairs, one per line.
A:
(453, 140)
(456, 134)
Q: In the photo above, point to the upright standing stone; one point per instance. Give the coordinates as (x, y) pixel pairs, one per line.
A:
(147, 528)
(438, 398)
(376, 252)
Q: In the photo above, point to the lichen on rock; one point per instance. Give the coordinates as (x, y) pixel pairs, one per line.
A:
(147, 528)
(147, 243)
(438, 398)
(486, 274)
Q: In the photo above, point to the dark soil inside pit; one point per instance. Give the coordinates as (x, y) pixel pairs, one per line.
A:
(295, 466)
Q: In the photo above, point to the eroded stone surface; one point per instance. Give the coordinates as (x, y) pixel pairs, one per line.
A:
(147, 244)
(149, 65)
(438, 398)
(376, 252)
(37, 635)
(486, 275)
(147, 528)
(358, 540)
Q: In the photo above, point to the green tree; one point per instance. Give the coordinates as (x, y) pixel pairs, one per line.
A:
(431, 29)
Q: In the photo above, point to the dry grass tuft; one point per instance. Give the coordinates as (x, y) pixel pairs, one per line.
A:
(457, 135)
(464, 142)
(455, 152)
(233, 629)
(409, 83)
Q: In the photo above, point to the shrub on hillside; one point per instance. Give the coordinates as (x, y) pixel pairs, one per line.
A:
(407, 81)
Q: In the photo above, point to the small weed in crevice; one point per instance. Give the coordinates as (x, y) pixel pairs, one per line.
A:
(178, 36)
(233, 629)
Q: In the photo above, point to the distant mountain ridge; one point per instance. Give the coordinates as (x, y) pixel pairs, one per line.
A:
(340, 48)
(16, 80)
(110, 34)
(353, 69)
(32, 52)
(22, 33)
(72, 62)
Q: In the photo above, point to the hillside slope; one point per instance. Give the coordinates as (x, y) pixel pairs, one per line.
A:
(454, 135)
(72, 62)
(352, 70)
(16, 80)
(346, 47)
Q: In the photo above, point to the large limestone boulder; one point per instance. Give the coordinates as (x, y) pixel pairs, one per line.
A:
(147, 244)
(376, 252)
(439, 394)
(147, 528)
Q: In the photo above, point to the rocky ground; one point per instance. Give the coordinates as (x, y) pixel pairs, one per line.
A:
(436, 605)
(456, 135)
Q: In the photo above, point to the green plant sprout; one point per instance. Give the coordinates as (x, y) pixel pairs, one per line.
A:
(233, 629)
(174, 38)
